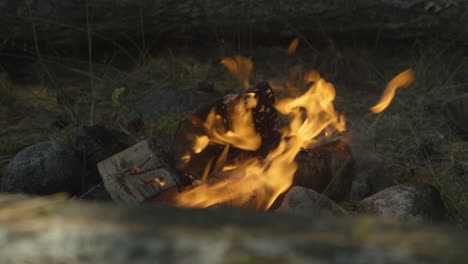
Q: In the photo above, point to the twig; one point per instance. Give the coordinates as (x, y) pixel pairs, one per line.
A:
(90, 64)
(78, 29)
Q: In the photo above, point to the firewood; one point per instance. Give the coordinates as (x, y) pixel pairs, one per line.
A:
(137, 173)
(264, 113)
(264, 121)
(327, 169)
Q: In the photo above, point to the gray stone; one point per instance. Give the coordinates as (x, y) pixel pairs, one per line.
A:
(368, 178)
(456, 111)
(97, 143)
(307, 202)
(412, 201)
(359, 189)
(93, 144)
(166, 101)
(43, 168)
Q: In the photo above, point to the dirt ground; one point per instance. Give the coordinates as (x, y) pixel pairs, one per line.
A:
(410, 141)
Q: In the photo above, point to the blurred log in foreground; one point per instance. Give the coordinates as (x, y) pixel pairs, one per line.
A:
(52, 230)
(56, 21)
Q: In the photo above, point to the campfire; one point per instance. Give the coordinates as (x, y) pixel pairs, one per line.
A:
(236, 153)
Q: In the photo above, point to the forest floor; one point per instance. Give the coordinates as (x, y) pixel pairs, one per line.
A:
(411, 139)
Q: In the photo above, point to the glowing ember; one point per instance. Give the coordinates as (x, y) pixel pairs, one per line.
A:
(132, 170)
(157, 181)
(257, 182)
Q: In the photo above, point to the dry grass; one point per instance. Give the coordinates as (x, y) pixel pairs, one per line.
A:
(413, 139)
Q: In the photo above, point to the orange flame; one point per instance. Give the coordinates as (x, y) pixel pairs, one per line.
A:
(293, 46)
(241, 67)
(157, 181)
(242, 133)
(258, 182)
(403, 79)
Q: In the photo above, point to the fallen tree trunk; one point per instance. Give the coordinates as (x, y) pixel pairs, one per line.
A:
(57, 21)
(51, 230)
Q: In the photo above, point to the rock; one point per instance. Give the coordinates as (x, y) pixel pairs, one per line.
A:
(456, 111)
(360, 189)
(98, 142)
(93, 144)
(169, 101)
(307, 202)
(43, 168)
(368, 166)
(412, 201)
(160, 104)
(327, 169)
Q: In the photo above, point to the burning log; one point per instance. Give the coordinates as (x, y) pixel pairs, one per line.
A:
(327, 169)
(137, 173)
(261, 179)
(244, 123)
(264, 115)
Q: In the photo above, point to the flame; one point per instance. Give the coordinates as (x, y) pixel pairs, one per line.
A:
(242, 133)
(293, 46)
(157, 181)
(297, 77)
(241, 67)
(403, 79)
(257, 182)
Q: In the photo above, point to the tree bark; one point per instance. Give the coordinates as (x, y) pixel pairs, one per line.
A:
(58, 21)
(52, 230)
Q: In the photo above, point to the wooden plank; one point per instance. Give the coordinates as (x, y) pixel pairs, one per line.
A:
(137, 174)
